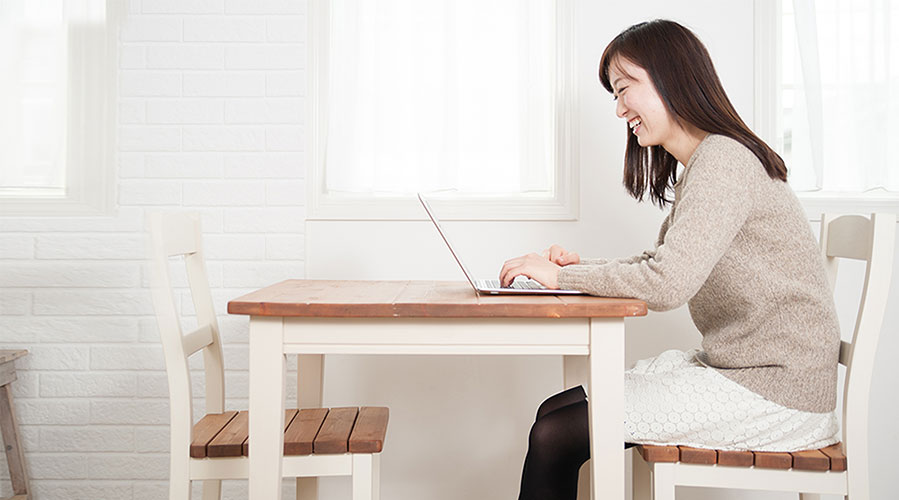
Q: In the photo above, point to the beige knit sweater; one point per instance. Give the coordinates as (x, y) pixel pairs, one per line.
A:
(737, 248)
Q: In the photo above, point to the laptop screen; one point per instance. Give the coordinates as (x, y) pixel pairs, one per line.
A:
(446, 240)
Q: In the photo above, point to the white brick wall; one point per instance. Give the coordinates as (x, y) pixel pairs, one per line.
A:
(210, 118)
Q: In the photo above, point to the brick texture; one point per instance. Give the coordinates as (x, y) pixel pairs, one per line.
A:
(210, 119)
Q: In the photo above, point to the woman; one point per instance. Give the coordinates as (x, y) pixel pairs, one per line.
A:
(736, 247)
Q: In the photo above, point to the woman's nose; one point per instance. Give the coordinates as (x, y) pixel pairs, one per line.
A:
(620, 108)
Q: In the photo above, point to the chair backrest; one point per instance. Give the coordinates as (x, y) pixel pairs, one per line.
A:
(179, 235)
(871, 240)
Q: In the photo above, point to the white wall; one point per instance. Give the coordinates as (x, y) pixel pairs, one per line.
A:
(211, 114)
(211, 118)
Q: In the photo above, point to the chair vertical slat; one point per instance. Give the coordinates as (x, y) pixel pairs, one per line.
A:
(335, 431)
(735, 458)
(229, 442)
(810, 460)
(702, 456)
(370, 429)
(837, 458)
(773, 460)
(206, 430)
(300, 434)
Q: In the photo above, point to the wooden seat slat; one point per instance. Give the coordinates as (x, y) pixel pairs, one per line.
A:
(653, 453)
(810, 460)
(837, 458)
(773, 460)
(370, 429)
(229, 441)
(735, 458)
(206, 429)
(335, 431)
(829, 458)
(701, 456)
(300, 434)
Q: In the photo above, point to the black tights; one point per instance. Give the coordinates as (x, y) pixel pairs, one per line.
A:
(558, 445)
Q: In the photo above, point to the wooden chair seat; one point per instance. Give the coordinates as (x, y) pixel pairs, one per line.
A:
(307, 431)
(829, 458)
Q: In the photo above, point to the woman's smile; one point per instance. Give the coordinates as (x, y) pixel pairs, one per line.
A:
(634, 125)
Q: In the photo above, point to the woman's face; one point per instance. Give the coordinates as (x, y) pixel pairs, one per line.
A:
(639, 103)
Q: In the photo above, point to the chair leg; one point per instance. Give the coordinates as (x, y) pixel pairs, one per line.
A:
(179, 489)
(307, 488)
(179, 479)
(662, 475)
(15, 456)
(642, 481)
(212, 489)
(363, 480)
(376, 476)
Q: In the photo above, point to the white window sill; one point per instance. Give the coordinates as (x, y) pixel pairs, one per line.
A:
(818, 202)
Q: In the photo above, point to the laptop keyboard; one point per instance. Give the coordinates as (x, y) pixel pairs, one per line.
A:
(528, 284)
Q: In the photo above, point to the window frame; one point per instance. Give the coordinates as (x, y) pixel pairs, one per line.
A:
(328, 206)
(767, 104)
(90, 159)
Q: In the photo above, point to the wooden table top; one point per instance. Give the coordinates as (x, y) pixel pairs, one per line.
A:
(420, 299)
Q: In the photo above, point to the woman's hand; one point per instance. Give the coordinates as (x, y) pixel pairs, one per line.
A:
(561, 256)
(533, 266)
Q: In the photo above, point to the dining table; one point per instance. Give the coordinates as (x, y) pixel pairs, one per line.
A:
(314, 318)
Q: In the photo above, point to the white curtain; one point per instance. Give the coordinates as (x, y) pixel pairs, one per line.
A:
(33, 47)
(845, 99)
(427, 95)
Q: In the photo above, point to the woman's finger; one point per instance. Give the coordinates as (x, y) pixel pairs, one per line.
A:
(509, 275)
(507, 268)
(556, 252)
(568, 259)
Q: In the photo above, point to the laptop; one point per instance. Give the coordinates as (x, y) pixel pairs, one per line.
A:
(520, 286)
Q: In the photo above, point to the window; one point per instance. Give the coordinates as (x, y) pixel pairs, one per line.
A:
(832, 67)
(467, 99)
(57, 93)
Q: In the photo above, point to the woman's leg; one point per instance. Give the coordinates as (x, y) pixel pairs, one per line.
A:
(559, 444)
(564, 398)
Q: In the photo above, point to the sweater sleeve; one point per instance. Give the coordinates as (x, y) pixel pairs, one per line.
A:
(713, 204)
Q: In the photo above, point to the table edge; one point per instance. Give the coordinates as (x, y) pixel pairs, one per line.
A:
(631, 308)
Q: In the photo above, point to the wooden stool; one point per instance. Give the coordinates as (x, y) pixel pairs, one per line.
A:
(309, 431)
(15, 457)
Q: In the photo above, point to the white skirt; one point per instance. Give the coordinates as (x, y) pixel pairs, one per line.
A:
(673, 399)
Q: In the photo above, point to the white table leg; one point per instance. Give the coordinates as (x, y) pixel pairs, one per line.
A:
(576, 371)
(606, 407)
(267, 397)
(310, 381)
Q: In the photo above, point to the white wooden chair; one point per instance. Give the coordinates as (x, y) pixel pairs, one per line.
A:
(852, 237)
(321, 442)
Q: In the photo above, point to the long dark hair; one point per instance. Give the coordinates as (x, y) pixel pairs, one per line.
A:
(682, 72)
